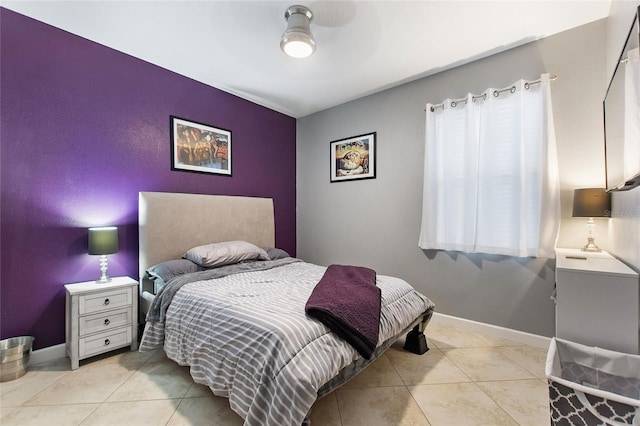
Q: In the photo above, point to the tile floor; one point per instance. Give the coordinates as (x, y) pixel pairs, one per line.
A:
(465, 379)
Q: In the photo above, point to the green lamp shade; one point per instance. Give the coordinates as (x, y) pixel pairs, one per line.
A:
(591, 202)
(103, 240)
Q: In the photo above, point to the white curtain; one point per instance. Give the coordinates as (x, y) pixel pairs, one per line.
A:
(490, 174)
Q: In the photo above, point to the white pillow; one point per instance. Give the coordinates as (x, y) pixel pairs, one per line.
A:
(225, 253)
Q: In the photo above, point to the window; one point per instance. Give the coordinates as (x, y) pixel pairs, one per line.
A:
(490, 179)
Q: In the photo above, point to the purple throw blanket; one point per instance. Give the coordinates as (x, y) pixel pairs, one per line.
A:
(347, 301)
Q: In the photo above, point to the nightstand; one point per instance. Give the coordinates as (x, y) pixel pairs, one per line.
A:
(597, 301)
(100, 317)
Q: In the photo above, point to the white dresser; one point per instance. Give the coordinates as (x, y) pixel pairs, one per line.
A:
(597, 301)
(100, 317)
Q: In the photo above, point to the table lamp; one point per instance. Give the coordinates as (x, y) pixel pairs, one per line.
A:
(103, 241)
(591, 202)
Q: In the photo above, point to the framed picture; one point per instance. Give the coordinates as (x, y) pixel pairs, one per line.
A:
(353, 158)
(200, 148)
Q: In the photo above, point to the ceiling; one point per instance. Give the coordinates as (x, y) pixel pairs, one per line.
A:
(362, 46)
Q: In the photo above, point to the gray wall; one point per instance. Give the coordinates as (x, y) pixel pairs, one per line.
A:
(625, 225)
(376, 222)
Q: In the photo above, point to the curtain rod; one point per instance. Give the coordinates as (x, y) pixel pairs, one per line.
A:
(496, 93)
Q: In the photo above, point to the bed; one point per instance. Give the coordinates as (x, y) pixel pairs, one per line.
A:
(242, 327)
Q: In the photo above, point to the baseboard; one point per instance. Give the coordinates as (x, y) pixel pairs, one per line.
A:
(492, 330)
(50, 353)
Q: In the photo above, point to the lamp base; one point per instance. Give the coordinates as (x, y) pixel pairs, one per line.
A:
(103, 269)
(591, 246)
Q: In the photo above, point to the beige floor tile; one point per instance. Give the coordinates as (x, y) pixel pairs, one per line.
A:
(19, 391)
(493, 340)
(5, 412)
(197, 391)
(459, 404)
(87, 384)
(431, 367)
(210, 410)
(388, 406)
(121, 356)
(379, 373)
(156, 380)
(446, 336)
(58, 415)
(59, 364)
(485, 364)
(325, 411)
(533, 359)
(157, 356)
(137, 413)
(527, 401)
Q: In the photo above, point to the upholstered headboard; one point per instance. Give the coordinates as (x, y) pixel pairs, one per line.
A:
(172, 223)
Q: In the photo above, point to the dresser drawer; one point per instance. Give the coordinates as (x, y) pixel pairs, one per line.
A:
(104, 342)
(104, 321)
(97, 302)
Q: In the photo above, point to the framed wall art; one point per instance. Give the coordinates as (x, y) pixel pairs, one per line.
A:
(353, 158)
(200, 148)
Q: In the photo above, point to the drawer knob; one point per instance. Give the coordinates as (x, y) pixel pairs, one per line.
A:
(107, 342)
(107, 322)
(106, 301)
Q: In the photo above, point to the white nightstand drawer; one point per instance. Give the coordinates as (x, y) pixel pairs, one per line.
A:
(105, 300)
(104, 342)
(104, 321)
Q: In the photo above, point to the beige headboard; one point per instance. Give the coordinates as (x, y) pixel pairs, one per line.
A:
(172, 223)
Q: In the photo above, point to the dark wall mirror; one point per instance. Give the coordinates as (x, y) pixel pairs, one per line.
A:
(622, 117)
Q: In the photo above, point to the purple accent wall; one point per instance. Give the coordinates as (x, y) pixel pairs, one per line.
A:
(84, 128)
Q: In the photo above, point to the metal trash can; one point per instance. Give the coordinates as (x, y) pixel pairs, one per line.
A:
(592, 386)
(14, 357)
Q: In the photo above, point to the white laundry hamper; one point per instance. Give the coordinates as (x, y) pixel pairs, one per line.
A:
(592, 386)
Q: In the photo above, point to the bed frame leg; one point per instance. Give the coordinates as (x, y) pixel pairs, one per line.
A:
(416, 342)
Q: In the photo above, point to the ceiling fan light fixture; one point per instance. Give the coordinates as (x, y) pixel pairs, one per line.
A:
(297, 41)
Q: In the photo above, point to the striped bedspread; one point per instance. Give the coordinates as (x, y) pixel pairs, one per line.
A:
(247, 338)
